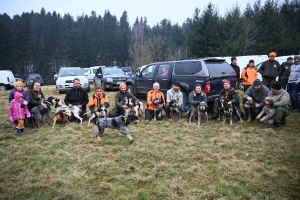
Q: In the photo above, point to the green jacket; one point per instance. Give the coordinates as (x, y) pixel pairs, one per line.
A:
(120, 97)
(257, 95)
(35, 98)
(270, 69)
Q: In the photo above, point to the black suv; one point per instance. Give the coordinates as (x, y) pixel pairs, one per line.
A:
(208, 72)
(33, 77)
(109, 78)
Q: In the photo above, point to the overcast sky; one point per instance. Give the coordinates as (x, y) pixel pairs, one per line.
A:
(155, 10)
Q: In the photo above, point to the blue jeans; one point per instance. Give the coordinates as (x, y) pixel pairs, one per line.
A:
(294, 89)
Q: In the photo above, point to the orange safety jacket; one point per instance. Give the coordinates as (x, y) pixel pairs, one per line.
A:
(151, 96)
(96, 101)
(249, 75)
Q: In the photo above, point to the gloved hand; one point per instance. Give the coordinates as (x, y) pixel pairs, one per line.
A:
(11, 119)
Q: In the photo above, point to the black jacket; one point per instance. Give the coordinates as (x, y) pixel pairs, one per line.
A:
(77, 97)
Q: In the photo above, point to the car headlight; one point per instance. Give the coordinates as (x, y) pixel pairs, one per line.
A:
(109, 80)
(83, 79)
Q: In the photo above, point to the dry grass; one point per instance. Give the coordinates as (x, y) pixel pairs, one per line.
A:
(167, 160)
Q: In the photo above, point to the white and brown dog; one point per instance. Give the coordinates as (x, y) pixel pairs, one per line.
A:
(61, 117)
(267, 114)
(133, 107)
(101, 111)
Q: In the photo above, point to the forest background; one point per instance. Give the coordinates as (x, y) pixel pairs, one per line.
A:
(43, 42)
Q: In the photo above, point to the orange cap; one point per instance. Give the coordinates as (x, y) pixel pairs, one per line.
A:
(272, 54)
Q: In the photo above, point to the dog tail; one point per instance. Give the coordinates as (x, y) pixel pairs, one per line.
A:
(86, 113)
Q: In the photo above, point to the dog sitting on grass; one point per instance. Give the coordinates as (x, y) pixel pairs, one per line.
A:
(253, 111)
(120, 123)
(267, 114)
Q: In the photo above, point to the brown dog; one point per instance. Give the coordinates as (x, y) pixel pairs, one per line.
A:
(268, 111)
(62, 117)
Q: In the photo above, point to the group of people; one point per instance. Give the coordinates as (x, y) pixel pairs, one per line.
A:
(21, 101)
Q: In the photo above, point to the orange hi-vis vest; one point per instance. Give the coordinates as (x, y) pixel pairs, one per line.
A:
(96, 101)
(151, 96)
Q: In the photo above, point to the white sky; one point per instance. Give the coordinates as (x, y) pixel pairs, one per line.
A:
(155, 10)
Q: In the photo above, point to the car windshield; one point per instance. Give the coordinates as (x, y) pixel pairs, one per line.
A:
(70, 72)
(112, 71)
(86, 71)
(34, 75)
(126, 69)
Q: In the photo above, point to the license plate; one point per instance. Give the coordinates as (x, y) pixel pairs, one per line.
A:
(117, 83)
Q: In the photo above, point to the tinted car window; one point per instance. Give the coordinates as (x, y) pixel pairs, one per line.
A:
(112, 71)
(187, 68)
(218, 68)
(126, 69)
(34, 75)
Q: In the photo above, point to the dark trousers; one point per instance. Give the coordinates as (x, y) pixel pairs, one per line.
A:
(246, 87)
(115, 112)
(283, 82)
(268, 82)
(294, 89)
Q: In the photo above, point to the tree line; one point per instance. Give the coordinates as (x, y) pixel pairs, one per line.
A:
(43, 42)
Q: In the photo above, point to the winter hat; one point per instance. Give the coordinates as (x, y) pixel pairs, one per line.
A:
(272, 54)
(289, 58)
(233, 58)
(97, 88)
(297, 57)
(18, 83)
(276, 86)
(177, 84)
(18, 95)
(226, 81)
(122, 85)
(257, 82)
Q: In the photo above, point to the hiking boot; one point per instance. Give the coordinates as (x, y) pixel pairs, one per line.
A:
(283, 121)
(274, 125)
(18, 131)
(215, 116)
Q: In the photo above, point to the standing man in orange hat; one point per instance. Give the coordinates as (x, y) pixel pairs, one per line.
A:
(269, 70)
(120, 99)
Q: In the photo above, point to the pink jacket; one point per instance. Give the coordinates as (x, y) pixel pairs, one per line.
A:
(15, 112)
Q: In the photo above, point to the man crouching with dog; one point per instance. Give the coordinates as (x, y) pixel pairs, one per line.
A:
(97, 99)
(281, 98)
(120, 99)
(77, 96)
(231, 96)
(253, 99)
(155, 103)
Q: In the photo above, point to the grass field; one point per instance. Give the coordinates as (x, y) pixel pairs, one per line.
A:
(167, 160)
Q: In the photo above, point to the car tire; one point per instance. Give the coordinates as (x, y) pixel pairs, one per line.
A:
(241, 86)
(103, 86)
(57, 91)
(130, 89)
(2, 87)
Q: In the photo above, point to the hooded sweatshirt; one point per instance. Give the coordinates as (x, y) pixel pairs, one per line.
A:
(15, 112)
(295, 73)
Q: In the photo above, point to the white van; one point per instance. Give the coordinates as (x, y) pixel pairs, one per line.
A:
(7, 79)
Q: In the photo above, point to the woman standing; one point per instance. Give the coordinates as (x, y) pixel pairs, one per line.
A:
(249, 74)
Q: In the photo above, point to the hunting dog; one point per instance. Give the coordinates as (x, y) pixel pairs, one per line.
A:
(40, 114)
(102, 112)
(120, 123)
(62, 117)
(227, 109)
(59, 105)
(253, 111)
(267, 114)
(173, 108)
(198, 111)
(76, 112)
(157, 109)
(133, 107)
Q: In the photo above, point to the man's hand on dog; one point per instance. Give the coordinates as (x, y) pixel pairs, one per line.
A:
(257, 105)
(70, 105)
(125, 107)
(44, 105)
(249, 99)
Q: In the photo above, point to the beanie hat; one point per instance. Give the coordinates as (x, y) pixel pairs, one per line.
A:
(257, 82)
(226, 81)
(233, 58)
(251, 61)
(272, 54)
(177, 84)
(297, 57)
(122, 85)
(18, 83)
(276, 86)
(18, 95)
(97, 88)
(289, 58)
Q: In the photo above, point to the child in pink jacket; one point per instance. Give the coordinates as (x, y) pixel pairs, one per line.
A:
(17, 111)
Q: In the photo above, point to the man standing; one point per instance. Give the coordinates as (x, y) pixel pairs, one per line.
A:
(235, 67)
(269, 70)
(120, 98)
(285, 72)
(294, 84)
(230, 95)
(282, 99)
(154, 98)
(77, 96)
(256, 93)
(174, 94)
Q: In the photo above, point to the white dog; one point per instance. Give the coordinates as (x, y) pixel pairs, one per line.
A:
(76, 112)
